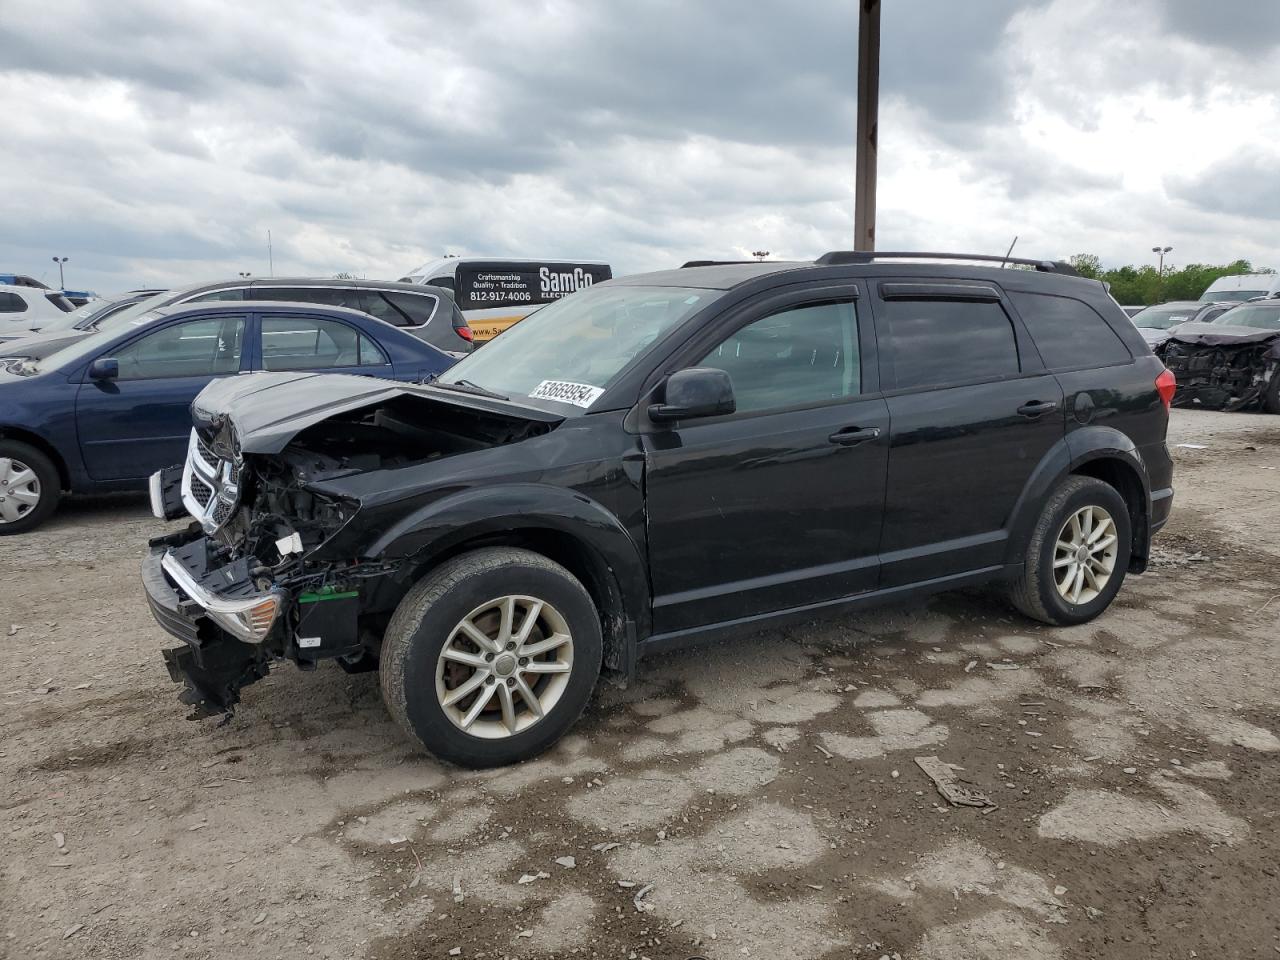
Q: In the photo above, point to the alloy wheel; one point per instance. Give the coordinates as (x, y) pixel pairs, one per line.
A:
(504, 667)
(19, 490)
(1084, 554)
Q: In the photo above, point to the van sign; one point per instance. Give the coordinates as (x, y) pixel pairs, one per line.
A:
(484, 286)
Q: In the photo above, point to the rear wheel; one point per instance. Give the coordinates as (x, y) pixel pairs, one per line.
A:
(491, 657)
(1077, 556)
(29, 487)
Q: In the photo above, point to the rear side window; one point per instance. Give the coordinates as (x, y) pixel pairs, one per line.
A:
(236, 293)
(12, 303)
(309, 343)
(1069, 333)
(399, 309)
(938, 342)
(326, 296)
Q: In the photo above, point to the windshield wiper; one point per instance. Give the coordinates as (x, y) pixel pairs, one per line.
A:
(468, 386)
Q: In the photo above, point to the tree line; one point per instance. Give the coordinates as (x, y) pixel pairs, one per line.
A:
(1143, 285)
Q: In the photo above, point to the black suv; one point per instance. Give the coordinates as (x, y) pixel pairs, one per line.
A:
(661, 460)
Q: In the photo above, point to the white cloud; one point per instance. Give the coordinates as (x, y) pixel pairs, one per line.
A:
(157, 143)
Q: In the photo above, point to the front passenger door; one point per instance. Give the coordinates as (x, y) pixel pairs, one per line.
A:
(777, 505)
(140, 421)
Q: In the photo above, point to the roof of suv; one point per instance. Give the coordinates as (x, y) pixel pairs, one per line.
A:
(725, 276)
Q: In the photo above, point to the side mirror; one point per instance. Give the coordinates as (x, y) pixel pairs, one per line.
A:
(104, 368)
(695, 392)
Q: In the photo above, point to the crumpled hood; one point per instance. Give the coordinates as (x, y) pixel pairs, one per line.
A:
(1220, 334)
(269, 409)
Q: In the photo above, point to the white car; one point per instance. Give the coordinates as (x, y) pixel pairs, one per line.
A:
(24, 300)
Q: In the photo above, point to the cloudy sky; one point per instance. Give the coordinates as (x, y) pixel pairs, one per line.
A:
(157, 141)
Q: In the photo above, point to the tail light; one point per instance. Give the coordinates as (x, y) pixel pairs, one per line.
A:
(1166, 383)
(464, 332)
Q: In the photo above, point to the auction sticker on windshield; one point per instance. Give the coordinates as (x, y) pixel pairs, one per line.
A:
(579, 394)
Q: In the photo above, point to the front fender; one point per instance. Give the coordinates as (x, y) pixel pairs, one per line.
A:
(440, 525)
(1073, 452)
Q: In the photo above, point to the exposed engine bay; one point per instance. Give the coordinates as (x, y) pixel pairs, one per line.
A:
(1223, 373)
(261, 576)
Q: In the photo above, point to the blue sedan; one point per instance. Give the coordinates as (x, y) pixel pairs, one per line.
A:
(108, 411)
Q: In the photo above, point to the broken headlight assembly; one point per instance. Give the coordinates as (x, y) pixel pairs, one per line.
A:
(247, 618)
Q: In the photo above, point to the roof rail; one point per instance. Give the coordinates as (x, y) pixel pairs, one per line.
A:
(870, 256)
(714, 263)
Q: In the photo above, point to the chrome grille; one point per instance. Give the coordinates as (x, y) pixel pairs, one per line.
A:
(210, 486)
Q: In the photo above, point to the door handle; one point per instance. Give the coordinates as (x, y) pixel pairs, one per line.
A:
(852, 436)
(1037, 408)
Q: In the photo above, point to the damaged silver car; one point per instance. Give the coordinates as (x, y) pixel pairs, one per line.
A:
(1232, 363)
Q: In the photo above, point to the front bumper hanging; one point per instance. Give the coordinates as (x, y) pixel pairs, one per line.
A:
(213, 663)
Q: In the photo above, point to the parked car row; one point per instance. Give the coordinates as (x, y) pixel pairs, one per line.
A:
(102, 403)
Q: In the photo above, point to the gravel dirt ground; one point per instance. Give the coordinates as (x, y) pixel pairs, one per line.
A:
(757, 799)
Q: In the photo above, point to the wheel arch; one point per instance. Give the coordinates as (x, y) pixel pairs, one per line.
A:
(578, 533)
(45, 447)
(1105, 454)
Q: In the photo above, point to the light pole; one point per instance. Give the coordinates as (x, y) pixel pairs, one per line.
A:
(760, 254)
(62, 283)
(1160, 251)
(246, 274)
(868, 126)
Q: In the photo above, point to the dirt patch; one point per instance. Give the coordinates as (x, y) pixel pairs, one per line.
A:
(715, 777)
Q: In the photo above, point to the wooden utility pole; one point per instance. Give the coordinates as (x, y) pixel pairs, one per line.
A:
(864, 196)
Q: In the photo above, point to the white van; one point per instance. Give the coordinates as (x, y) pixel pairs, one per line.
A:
(494, 294)
(1244, 286)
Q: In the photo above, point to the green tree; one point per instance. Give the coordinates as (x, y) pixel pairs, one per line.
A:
(1142, 285)
(1087, 264)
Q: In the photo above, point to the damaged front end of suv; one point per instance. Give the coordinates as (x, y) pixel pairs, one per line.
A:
(1224, 366)
(273, 567)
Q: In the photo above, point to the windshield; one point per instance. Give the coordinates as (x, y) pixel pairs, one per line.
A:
(1166, 315)
(1265, 316)
(87, 347)
(571, 350)
(1235, 295)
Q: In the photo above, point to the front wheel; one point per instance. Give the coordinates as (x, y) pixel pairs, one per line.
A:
(29, 487)
(491, 657)
(1077, 556)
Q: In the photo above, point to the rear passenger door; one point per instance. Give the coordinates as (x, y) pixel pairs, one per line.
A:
(972, 412)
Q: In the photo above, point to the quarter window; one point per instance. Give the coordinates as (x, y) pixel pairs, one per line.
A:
(12, 303)
(197, 348)
(938, 342)
(398, 309)
(218, 296)
(309, 343)
(799, 357)
(1069, 333)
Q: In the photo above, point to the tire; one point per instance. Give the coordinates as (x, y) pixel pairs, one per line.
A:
(416, 680)
(1271, 395)
(21, 460)
(1037, 591)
